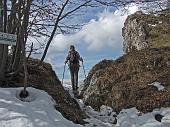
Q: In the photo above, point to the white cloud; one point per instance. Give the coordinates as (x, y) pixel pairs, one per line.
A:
(106, 31)
(60, 42)
(132, 8)
(103, 32)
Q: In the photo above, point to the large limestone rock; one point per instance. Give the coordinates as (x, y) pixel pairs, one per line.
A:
(134, 34)
(123, 83)
(142, 31)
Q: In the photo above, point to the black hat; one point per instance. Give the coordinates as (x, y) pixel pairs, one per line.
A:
(72, 46)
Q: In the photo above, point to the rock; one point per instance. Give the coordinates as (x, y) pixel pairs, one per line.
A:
(123, 83)
(158, 117)
(142, 31)
(134, 33)
(23, 94)
(44, 78)
(99, 66)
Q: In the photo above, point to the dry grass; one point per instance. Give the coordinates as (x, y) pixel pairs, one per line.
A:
(124, 83)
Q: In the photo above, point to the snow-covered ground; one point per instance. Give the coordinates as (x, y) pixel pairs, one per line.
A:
(127, 117)
(104, 118)
(132, 118)
(38, 111)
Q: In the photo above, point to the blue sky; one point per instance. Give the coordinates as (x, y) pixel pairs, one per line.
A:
(99, 39)
(90, 59)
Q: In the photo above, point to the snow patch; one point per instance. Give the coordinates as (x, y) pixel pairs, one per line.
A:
(39, 112)
(126, 117)
(158, 85)
(106, 117)
(103, 118)
(153, 25)
(132, 118)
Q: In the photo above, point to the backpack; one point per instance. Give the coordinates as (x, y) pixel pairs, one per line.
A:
(74, 57)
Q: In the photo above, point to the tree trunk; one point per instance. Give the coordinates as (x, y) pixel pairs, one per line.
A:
(24, 35)
(2, 48)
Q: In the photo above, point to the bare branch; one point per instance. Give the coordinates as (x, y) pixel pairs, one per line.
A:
(75, 9)
(32, 45)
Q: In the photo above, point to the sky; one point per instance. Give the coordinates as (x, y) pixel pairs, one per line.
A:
(101, 38)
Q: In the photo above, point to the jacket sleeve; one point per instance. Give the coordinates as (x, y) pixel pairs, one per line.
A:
(68, 57)
(79, 57)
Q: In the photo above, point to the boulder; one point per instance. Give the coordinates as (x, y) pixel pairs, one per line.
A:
(43, 77)
(124, 83)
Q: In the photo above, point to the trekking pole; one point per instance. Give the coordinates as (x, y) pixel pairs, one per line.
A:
(63, 73)
(84, 70)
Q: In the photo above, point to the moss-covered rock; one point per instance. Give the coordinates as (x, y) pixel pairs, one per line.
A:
(146, 31)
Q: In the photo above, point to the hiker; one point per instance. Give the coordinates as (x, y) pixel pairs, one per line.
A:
(73, 58)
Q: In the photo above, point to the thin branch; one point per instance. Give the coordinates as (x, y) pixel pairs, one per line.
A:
(32, 45)
(74, 9)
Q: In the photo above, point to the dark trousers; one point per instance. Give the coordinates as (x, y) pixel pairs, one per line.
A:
(74, 69)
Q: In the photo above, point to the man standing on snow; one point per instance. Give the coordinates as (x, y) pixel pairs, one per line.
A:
(73, 57)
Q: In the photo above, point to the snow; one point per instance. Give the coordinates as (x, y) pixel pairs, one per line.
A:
(126, 118)
(132, 118)
(36, 111)
(152, 25)
(104, 118)
(157, 85)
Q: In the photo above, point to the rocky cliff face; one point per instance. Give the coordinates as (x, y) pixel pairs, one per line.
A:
(134, 34)
(146, 31)
(124, 83)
